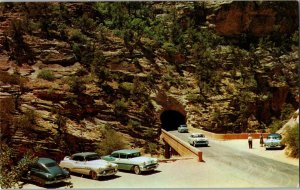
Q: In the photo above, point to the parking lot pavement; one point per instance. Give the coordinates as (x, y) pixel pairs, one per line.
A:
(276, 154)
(186, 173)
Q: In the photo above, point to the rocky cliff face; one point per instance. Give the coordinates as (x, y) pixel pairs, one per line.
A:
(254, 18)
(130, 89)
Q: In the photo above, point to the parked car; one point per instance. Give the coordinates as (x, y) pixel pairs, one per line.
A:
(273, 141)
(46, 171)
(183, 129)
(197, 139)
(132, 160)
(89, 163)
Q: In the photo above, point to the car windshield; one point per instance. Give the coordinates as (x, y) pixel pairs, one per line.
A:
(50, 164)
(133, 155)
(183, 126)
(274, 137)
(198, 135)
(92, 157)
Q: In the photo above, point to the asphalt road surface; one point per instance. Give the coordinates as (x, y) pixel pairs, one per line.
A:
(224, 167)
(248, 165)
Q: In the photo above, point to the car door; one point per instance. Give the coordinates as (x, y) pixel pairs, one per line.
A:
(78, 164)
(37, 172)
(124, 162)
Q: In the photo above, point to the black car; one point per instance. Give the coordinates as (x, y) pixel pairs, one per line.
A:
(46, 171)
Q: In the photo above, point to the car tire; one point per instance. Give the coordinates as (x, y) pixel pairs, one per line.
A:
(67, 169)
(93, 175)
(137, 170)
(40, 182)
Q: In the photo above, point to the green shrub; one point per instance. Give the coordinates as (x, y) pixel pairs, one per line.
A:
(195, 98)
(149, 133)
(275, 125)
(128, 86)
(10, 173)
(47, 75)
(286, 111)
(27, 120)
(151, 148)
(169, 47)
(121, 106)
(134, 124)
(77, 84)
(77, 36)
(112, 141)
(291, 140)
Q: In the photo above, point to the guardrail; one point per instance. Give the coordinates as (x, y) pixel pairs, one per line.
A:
(227, 136)
(181, 147)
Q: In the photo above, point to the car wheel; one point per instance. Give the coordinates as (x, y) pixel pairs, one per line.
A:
(137, 170)
(68, 170)
(93, 175)
(40, 182)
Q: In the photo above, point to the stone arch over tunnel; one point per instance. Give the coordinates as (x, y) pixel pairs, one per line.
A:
(171, 119)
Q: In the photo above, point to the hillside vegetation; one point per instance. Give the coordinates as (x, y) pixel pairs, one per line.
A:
(72, 73)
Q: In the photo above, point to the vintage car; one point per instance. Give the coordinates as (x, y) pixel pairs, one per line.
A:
(183, 129)
(89, 163)
(46, 171)
(273, 141)
(132, 160)
(196, 139)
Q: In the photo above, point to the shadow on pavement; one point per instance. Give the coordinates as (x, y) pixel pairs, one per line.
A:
(100, 178)
(145, 173)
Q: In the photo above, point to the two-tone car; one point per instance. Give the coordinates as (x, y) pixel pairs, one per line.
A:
(89, 163)
(273, 141)
(196, 139)
(182, 129)
(46, 171)
(131, 160)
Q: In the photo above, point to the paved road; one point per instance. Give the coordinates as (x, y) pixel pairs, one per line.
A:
(224, 167)
(248, 165)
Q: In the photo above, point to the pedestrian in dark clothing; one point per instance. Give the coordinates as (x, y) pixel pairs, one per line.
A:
(250, 141)
(261, 140)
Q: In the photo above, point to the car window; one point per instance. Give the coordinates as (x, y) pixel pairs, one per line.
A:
(51, 164)
(38, 167)
(115, 155)
(133, 155)
(78, 158)
(92, 157)
(123, 156)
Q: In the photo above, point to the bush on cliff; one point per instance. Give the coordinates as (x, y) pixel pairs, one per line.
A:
(112, 141)
(10, 173)
(291, 140)
(47, 75)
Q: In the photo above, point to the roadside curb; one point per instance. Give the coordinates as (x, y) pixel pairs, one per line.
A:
(174, 159)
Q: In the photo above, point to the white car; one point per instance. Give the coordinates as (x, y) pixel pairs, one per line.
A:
(198, 139)
(89, 163)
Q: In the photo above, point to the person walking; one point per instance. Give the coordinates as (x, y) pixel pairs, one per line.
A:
(250, 141)
(261, 140)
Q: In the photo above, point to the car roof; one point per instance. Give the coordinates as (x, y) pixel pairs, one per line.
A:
(197, 134)
(43, 160)
(127, 151)
(84, 154)
(274, 134)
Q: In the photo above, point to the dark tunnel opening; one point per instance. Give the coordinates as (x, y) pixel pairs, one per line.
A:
(170, 120)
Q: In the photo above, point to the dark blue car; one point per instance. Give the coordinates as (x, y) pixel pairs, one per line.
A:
(46, 171)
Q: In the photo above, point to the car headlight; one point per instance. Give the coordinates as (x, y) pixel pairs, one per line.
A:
(49, 176)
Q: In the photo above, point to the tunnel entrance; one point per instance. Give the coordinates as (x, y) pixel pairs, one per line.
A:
(170, 120)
